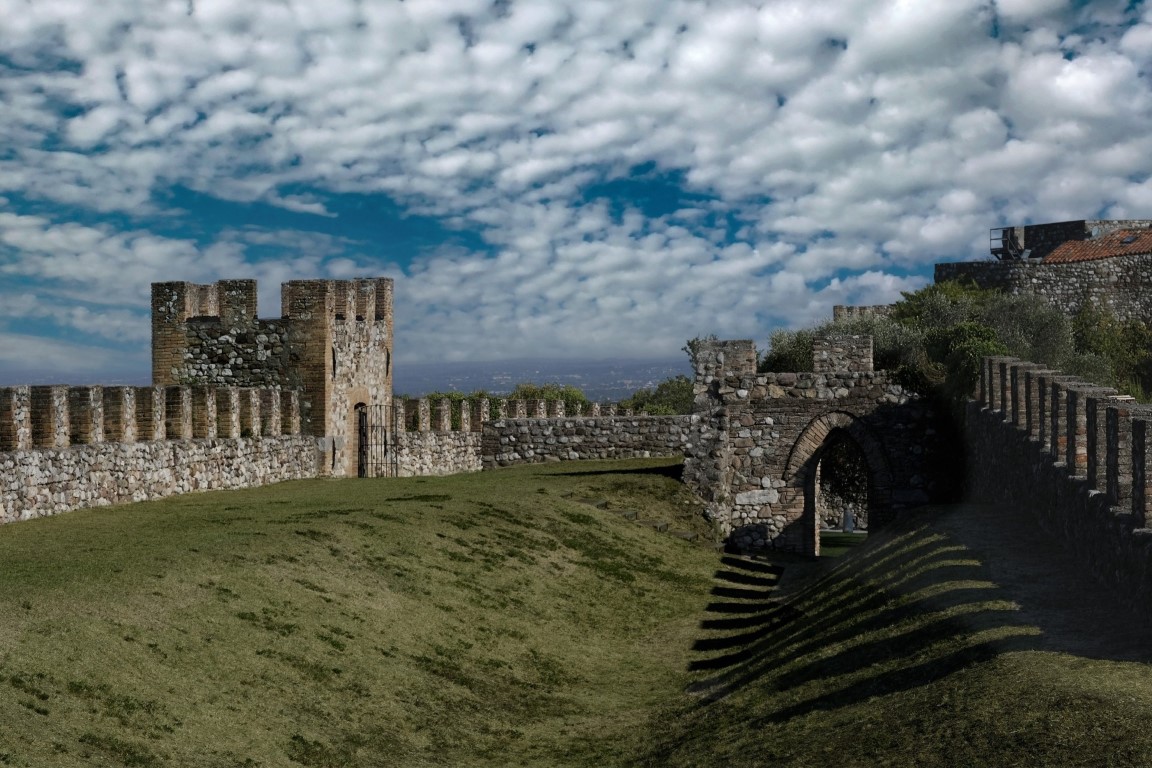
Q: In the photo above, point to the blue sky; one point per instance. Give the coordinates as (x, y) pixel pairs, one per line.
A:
(584, 178)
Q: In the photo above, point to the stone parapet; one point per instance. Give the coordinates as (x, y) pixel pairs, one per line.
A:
(1081, 463)
(40, 482)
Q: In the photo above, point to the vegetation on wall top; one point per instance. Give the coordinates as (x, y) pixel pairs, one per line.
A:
(934, 339)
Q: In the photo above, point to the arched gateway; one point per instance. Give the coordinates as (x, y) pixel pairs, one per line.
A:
(809, 464)
(768, 449)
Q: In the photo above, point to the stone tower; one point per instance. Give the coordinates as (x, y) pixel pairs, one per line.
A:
(333, 342)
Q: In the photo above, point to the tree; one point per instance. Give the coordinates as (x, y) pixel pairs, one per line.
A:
(670, 397)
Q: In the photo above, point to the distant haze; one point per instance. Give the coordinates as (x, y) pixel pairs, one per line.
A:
(601, 380)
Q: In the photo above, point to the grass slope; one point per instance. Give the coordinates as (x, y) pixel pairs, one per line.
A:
(484, 619)
(930, 645)
(514, 618)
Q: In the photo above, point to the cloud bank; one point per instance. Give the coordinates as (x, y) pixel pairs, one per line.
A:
(584, 178)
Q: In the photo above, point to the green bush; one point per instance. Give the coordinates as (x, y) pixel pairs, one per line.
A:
(571, 395)
(670, 397)
(934, 339)
(1120, 350)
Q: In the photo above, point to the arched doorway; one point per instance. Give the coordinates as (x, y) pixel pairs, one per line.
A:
(841, 478)
(841, 467)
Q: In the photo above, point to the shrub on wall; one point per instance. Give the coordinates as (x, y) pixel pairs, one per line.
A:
(1126, 347)
(934, 339)
(571, 395)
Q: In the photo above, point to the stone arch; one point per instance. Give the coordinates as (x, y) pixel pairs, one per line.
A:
(804, 458)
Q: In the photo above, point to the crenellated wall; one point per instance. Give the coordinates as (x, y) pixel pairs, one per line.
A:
(1076, 454)
(64, 448)
(444, 437)
(333, 342)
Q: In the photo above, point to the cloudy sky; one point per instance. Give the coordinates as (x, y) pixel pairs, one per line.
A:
(586, 178)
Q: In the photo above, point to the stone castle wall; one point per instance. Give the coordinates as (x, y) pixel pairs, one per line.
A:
(756, 439)
(64, 448)
(1075, 453)
(521, 441)
(445, 437)
(333, 343)
(1123, 284)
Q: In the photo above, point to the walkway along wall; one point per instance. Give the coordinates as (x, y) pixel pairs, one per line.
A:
(64, 448)
(1076, 454)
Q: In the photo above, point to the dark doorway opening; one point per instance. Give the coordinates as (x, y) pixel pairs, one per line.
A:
(375, 443)
(841, 494)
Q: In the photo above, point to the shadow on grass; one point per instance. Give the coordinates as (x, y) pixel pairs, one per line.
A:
(898, 614)
(674, 471)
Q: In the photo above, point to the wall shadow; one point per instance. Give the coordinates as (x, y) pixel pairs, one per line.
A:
(674, 471)
(914, 605)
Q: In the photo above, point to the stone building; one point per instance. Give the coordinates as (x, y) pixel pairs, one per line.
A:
(1107, 264)
(333, 342)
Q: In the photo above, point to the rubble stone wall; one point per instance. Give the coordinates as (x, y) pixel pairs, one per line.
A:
(64, 448)
(1076, 454)
(1123, 284)
(444, 437)
(526, 441)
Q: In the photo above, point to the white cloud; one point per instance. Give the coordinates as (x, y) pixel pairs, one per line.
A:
(865, 138)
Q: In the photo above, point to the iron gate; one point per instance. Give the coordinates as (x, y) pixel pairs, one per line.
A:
(375, 451)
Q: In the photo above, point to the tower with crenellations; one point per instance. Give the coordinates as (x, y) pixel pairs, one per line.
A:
(333, 343)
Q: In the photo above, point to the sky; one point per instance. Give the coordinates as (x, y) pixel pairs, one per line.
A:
(560, 178)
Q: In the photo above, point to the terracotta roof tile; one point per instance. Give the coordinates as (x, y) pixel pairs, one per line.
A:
(1122, 243)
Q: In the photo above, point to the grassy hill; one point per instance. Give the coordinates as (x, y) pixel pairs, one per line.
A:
(485, 619)
(522, 618)
(960, 637)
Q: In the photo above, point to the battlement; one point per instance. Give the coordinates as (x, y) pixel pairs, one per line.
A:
(234, 302)
(445, 415)
(333, 341)
(58, 417)
(843, 312)
(358, 300)
(1078, 454)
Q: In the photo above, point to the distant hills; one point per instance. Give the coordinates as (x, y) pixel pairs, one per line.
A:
(601, 380)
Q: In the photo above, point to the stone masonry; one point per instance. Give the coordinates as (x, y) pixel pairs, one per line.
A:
(1075, 453)
(1072, 263)
(333, 342)
(64, 448)
(756, 441)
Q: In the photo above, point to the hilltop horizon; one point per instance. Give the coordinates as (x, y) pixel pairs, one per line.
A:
(601, 379)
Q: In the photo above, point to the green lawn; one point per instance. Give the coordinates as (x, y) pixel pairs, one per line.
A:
(485, 619)
(519, 618)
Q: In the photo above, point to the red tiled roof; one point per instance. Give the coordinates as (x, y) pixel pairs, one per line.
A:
(1122, 243)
